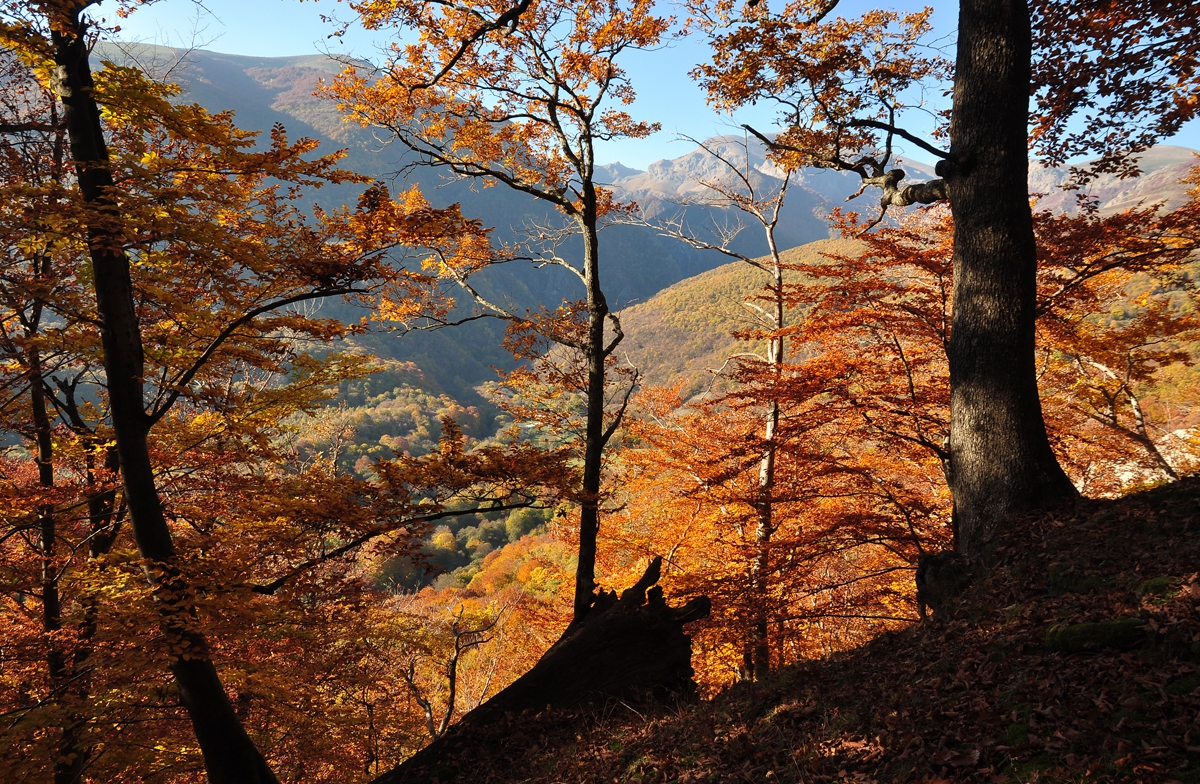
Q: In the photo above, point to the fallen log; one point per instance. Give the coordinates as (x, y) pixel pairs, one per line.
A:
(629, 649)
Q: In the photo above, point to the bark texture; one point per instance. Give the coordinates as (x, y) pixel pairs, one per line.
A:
(1001, 461)
(629, 649)
(896, 195)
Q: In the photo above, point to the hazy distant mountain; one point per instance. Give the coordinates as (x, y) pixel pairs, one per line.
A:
(268, 90)
(683, 179)
(263, 91)
(1162, 169)
(679, 186)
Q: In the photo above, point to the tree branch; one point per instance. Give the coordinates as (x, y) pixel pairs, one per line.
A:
(509, 19)
(892, 129)
(181, 381)
(273, 586)
(25, 127)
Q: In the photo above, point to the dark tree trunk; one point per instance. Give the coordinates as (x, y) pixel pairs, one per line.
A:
(629, 650)
(1001, 461)
(229, 754)
(594, 431)
(72, 756)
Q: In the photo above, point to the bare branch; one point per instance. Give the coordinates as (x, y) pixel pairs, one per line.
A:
(892, 129)
(273, 586)
(873, 174)
(26, 127)
(620, 415)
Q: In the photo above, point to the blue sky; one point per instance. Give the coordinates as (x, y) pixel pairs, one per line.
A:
(276, 28)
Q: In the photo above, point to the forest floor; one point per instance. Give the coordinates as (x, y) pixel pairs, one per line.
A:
(1075, 658)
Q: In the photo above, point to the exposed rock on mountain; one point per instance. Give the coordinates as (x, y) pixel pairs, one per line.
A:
(676, 187)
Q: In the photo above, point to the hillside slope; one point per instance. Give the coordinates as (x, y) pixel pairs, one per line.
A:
(637, 264)
(684, 333)
(1011, 685)
(263, 91)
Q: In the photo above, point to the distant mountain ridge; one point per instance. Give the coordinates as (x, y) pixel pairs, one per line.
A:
(263, 91)
(636, 263)
(268, 90)
(1162, 169)
(673, 187)
(669, 183)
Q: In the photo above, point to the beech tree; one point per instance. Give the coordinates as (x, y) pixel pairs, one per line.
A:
(836, 566)
(860, 490)
(47, 339)
(845, 87)
(518, 96)
(194, 246)
(1116, 312)
(1113, 313)
(761, 200)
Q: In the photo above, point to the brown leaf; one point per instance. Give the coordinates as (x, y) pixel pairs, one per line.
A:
(967, 758)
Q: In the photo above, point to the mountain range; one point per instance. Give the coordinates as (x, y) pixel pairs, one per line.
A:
(638, 264)
(264, 91)
(1163, 167)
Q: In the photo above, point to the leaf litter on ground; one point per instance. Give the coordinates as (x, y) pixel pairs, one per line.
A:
(1075, 656)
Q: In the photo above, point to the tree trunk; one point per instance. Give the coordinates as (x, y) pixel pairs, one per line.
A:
(229, 754)
(1001, 461)
(72, 756)
(760, 659)
(628, 650)
(593, 451)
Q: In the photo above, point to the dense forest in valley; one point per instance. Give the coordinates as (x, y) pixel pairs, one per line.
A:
(361, 425)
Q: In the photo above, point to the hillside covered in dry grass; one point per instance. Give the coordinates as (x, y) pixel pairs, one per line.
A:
(684, 334)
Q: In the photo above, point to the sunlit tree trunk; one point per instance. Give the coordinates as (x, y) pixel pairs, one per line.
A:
(742, 192)
(765, 524)
(1001, 461)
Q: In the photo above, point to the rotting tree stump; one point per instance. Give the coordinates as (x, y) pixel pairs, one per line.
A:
(630, 650)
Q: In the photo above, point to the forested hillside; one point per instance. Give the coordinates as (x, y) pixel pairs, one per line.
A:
(266, 91)
(1075, 659)
(685, 335)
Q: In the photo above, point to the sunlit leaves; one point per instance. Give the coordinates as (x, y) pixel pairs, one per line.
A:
(826, 76)
(1112, 78)
(275, 547)
(521, 102)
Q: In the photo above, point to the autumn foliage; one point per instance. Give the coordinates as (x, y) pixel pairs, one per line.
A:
(279, 546)
(345, 609)
(862, 445)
